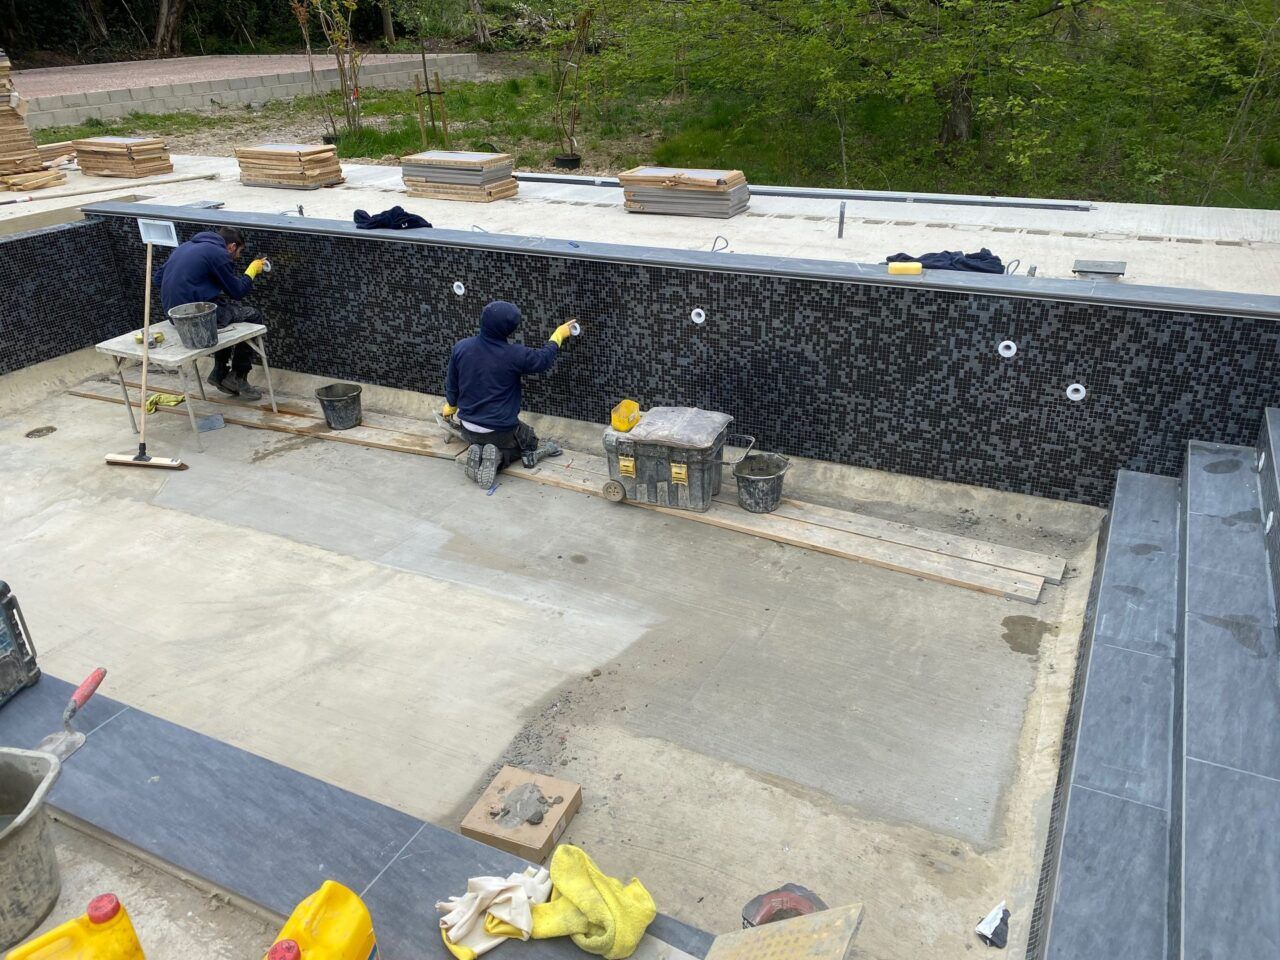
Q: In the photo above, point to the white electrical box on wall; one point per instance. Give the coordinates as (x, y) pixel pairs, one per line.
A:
(158, 233)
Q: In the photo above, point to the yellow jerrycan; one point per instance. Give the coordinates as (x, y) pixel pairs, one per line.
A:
(331, 924)
(105, 932)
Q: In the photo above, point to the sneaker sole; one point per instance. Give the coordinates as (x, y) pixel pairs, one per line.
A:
(488, 471)
(473, 462)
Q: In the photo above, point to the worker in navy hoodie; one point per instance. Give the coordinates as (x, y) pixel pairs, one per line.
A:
(482, 391)
(203, 270)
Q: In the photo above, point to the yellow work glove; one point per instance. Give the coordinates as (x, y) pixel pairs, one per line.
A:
(562, 333)
(448, 410)
(255, 268)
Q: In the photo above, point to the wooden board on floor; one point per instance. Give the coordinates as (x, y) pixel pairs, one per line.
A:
(586, 474)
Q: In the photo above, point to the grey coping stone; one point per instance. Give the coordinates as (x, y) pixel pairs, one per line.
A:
(1041, 288)
(1231, 902)
(262, 830)
(1113, 877)
(1224, 481)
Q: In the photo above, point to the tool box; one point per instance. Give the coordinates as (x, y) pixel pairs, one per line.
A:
(17, 654)
(672, 457)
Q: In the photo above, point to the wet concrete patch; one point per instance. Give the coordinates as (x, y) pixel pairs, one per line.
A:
(1023, 634)
(1243, 516)
(1222, 466)
(1145, 549)
(1245, 630)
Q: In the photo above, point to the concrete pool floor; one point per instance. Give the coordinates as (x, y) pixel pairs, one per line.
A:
(760, 713)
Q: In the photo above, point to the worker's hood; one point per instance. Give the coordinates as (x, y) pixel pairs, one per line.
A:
(209, 236)
(499, 319)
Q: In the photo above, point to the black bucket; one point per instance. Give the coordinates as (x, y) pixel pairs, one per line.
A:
(759, 477)
(341, 405)
(196, 323)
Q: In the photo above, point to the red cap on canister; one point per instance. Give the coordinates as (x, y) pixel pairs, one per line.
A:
(285, 950)
(103, 908)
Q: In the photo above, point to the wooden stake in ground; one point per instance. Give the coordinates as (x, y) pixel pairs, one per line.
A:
(142, 460)
(417, 103)
(444, 113)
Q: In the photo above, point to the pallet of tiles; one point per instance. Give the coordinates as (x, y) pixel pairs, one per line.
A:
(294, 166)
(18, 152)
(686, 192)
(459, 175)
(127, 157)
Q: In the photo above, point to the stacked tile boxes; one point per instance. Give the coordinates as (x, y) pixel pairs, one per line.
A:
(71, 108)
(905, 378)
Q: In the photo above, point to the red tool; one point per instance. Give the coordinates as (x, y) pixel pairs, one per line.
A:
(68, 740)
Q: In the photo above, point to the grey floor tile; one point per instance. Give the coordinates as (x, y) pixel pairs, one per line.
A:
(37, 711)
(1232, 890)
(1227, 570)
(1110, 900)
(1222, 480)
(269, 833)
(1126, 723)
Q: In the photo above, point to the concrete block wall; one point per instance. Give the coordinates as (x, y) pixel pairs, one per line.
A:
(71, 108)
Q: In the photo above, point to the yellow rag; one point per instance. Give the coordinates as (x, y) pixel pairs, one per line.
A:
(600, 914)
(162, 400)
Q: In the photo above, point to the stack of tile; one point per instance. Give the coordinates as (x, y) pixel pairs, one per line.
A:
(459, 175)
(685, 192)
(18, 153)
(122, 156)
(297, 166)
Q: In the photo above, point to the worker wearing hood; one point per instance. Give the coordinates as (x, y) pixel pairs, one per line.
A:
(483, 392)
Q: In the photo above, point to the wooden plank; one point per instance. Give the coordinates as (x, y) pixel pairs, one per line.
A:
(583, 474)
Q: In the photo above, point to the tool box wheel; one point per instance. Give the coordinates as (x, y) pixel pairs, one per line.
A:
(614, 492)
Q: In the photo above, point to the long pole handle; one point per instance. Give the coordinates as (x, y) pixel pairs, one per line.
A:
(146, 338)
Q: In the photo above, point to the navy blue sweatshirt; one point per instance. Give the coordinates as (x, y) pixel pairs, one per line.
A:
(200, 270)
(485, 370)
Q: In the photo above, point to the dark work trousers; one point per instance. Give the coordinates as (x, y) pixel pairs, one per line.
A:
(239, 357)
(511, 443)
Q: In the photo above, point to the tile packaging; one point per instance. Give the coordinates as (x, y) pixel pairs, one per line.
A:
(907, 380)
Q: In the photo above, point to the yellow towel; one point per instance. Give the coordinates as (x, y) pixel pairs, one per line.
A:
(600, 914)
(163, 399)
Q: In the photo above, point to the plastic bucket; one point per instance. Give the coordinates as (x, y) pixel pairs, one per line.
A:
(759, 477)
(29, 880)
(196, 323)
(341, 405)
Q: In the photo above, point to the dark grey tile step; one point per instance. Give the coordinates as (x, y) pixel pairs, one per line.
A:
(1269, 480)
(1110, 889)
(262, 830)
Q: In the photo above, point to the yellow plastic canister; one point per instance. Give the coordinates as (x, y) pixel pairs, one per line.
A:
(105, 932)
(331, 924)
(625, 416)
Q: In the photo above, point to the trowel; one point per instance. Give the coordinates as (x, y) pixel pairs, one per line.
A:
(68, 740)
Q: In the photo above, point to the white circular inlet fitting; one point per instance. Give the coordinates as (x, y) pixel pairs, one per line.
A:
(1076, 392)
(1007, 348)
(459, 287)
(575, 328)
(266, 265)
(698, 316)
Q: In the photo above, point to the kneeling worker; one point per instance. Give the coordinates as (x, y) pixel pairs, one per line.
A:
(483, 390)
(202, 270)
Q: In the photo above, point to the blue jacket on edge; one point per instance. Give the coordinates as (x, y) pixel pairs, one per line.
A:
(199, 271)
(485, 370)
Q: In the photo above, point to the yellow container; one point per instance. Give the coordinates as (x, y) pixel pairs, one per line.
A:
(625, 415)
(105, 932)
(906, 268)
(331, 924)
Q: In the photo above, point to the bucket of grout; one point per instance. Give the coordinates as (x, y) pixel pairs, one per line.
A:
(196, 323)
(341, 405)
(759, 477)
(29, 879)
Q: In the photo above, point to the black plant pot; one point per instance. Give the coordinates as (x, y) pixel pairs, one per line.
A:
(568, 161)
(329, 138)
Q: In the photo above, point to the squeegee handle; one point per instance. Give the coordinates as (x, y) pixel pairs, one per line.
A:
(83, 693)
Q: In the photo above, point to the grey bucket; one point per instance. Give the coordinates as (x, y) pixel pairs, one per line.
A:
(341, 405)
(29, 880)
(196, 323)
(759, 478)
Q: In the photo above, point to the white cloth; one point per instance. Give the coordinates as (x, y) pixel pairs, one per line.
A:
(509, 900)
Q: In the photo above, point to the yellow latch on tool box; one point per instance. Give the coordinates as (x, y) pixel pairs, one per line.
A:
(627, 466)
(625, 416)
(680, 473)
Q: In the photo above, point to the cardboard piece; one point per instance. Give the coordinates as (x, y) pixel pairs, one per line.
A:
(533, 841)
(825, 935)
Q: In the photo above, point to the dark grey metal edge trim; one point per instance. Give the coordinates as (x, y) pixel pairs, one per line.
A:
(827, 193)
(1170, 299)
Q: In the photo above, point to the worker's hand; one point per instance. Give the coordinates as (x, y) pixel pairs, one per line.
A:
(563, 333)
(255, 268)
(448, 410)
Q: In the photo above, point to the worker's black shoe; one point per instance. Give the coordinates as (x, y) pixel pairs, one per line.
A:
(240, 386)
(474, 452)
(219, 380)
(531, 458)
(488, 469)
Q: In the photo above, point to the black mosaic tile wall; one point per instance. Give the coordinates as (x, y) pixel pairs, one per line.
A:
(59, 291)
(904, 380)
